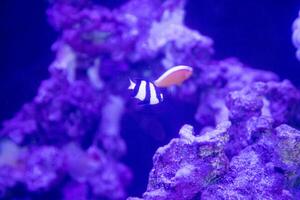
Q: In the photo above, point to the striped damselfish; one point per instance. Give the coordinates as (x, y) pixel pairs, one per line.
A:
(148, 92)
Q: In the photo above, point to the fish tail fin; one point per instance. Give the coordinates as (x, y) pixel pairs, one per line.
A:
(131, 84)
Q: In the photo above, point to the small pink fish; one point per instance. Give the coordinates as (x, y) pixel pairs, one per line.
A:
(174, 76)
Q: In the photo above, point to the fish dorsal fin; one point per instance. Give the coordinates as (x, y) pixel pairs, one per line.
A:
(131, 85)
(174, 76)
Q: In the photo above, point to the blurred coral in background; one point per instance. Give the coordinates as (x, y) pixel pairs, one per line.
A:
(70, 141)
(296, 35)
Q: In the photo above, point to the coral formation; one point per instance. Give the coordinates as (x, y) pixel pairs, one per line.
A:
(296, 36)
(67, 140)
(238, 160)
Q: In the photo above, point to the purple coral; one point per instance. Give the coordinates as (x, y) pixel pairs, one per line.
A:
(249, 178)
(184, 167)
(296, 36)
(195, 167)
(68, 138)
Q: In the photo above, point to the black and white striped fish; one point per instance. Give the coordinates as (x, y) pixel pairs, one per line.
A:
(146, 92)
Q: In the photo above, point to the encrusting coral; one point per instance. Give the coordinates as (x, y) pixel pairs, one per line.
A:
(264, 165)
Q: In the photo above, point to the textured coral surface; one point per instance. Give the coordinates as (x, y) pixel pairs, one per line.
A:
(70, 141)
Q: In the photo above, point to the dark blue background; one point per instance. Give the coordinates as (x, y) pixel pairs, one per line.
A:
(257, 32)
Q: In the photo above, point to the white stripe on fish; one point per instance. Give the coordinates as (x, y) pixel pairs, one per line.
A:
(141, 95)
(153, 96)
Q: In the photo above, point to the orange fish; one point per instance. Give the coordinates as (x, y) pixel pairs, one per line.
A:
(174, 76)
